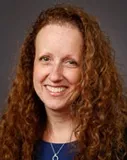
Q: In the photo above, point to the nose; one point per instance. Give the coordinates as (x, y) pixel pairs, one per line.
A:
(56, 74)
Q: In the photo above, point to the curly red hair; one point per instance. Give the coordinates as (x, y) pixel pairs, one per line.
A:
(100, 109)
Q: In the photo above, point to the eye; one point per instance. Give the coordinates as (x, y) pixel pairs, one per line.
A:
(71, 63)
(44, 58)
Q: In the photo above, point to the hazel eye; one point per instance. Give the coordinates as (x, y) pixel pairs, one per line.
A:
(44, 58)
(71, 63)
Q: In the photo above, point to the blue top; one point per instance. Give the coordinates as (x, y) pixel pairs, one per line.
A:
(43, 151)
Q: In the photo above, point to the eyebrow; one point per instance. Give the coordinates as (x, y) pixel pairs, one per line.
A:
(70, 56)
(64, 57)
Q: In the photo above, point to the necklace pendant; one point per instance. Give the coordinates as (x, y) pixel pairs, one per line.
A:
(55, 157)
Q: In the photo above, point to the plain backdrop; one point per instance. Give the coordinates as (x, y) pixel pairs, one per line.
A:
(17, 16)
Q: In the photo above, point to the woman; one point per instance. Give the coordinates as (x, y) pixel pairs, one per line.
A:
(66, 101)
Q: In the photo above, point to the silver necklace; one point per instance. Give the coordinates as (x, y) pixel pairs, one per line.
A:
(55, 156)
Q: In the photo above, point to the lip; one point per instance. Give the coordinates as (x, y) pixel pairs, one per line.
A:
(55, 94)
(55, 85)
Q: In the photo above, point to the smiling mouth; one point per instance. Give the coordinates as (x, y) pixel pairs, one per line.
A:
(55, 89)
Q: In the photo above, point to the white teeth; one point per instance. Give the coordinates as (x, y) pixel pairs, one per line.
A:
(55, 89)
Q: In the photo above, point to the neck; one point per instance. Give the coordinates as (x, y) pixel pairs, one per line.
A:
(59, 127)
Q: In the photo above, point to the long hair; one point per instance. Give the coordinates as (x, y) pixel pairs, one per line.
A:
(100, 109)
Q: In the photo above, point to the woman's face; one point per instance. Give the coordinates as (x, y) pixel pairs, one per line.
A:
(57, 65)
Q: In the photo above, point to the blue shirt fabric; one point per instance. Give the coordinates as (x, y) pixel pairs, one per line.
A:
(43, 151)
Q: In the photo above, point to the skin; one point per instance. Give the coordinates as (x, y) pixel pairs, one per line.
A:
(57, 71)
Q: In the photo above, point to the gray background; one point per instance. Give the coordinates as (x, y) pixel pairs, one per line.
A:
(17, 16)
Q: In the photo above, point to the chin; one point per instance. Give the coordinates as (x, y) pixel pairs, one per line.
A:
(56, 107)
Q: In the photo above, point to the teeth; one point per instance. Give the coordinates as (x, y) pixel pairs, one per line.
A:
(55, 89)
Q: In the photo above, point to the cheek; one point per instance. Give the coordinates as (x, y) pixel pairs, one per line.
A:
(39, 74)
(74, 77)
(36, 75)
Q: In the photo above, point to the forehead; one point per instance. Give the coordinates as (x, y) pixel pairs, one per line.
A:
(59, 29)
(59, 38)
